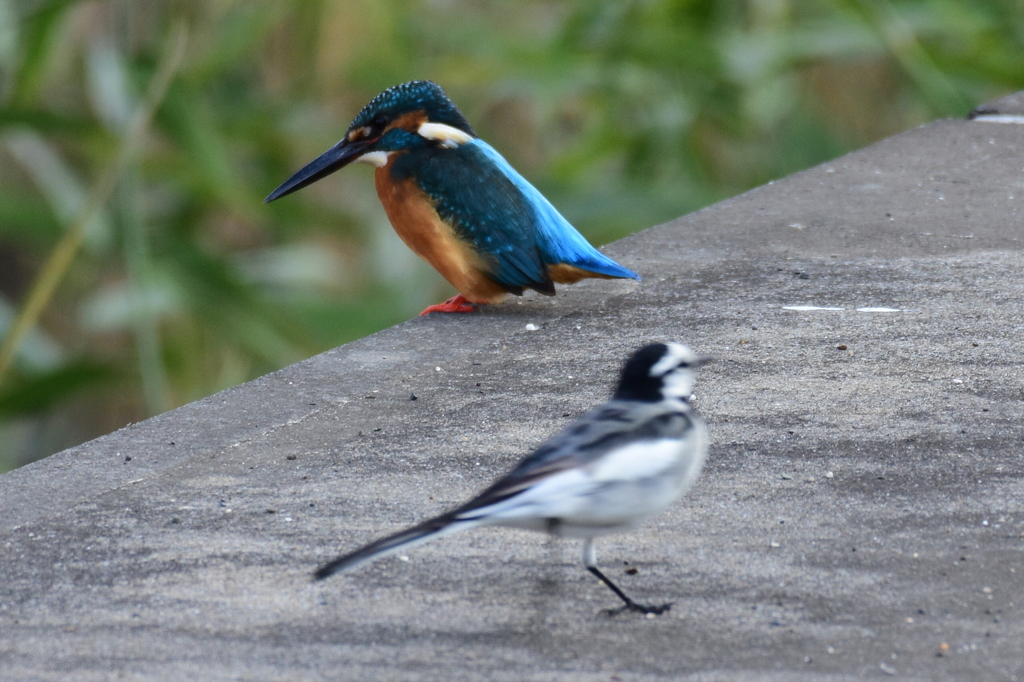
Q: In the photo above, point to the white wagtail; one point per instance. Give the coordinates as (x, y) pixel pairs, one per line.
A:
(616, 465)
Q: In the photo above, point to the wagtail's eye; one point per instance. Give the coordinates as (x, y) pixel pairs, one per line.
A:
(682, 365)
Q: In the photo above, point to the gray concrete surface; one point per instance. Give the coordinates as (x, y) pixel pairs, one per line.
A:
(1010, 105)
(860, 515)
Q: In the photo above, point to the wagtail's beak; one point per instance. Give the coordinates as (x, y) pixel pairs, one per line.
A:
(338, 156)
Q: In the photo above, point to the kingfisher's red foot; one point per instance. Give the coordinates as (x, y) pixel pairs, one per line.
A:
(455, 304)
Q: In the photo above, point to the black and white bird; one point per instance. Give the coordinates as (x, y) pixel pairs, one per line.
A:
(615, 466)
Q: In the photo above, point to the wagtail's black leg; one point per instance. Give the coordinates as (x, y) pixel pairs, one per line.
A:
(630, 604)
(590, 561)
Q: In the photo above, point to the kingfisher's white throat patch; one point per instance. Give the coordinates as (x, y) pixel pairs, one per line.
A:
(378, 159)
(447, 135)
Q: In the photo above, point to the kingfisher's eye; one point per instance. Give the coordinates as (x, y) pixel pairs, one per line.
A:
(380, 121)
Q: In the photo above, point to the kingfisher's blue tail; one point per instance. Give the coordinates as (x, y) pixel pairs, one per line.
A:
(559, 241)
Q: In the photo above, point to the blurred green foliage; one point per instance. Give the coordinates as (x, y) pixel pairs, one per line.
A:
(624, 112)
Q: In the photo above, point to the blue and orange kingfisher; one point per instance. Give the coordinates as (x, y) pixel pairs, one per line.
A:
(457, 202)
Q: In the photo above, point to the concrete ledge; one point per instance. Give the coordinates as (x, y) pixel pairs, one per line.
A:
(860, 514)
(1003, 110)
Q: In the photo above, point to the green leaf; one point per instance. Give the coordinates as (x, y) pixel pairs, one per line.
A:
(43, 121)
(58, 181)
(35, 394)
(40, 31)
(27, 221)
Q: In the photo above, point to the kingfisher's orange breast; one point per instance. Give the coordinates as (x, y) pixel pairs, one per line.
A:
(416, 221)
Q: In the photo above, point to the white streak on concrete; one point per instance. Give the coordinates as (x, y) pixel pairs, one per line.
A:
(806, 308)
(1000, 118)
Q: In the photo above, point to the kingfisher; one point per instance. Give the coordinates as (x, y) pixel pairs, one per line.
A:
(457, 203)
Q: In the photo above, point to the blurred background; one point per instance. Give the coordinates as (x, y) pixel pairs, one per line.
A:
(147, 274)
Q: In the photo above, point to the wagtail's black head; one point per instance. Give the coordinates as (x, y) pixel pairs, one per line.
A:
(660, 371)
(406, 113)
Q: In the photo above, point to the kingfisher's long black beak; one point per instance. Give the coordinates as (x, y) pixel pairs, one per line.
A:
(338, 156)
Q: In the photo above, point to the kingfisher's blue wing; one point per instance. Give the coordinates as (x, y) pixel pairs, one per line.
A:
(485, 209)
(558, 240)
(498, 212)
